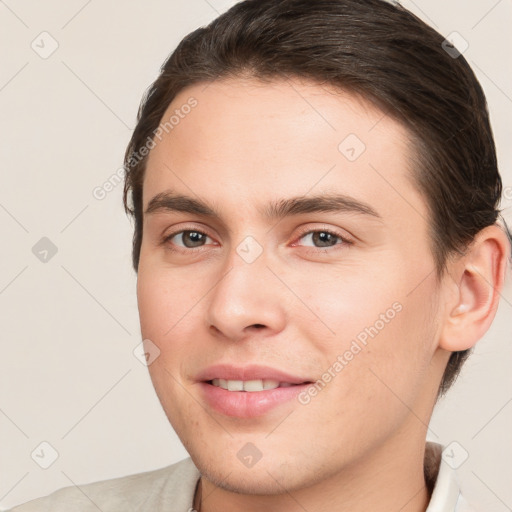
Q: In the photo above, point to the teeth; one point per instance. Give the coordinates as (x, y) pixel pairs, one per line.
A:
(250, 385)
(235, 385)
(254, 385)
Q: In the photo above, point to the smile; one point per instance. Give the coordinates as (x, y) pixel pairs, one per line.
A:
(250, 385)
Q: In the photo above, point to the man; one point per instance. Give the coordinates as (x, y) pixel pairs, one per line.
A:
(315, 192)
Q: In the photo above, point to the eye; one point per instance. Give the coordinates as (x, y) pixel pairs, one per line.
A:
(325, 238)
(189, 238)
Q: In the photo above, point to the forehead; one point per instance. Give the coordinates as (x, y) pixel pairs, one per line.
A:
(244, 140)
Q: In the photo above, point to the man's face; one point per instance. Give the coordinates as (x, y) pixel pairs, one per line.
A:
(352, 309)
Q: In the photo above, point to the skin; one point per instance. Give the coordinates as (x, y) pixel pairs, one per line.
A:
(359, 444)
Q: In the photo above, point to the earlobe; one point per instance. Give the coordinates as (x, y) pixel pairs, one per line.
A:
(479, 276)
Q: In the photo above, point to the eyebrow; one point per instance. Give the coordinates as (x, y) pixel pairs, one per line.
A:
(274, 210)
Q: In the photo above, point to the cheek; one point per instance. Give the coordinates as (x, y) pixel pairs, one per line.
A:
(152, 301)
(371, 327)
(163, 308)
(171, 317)
(347, 304)
(163, 301)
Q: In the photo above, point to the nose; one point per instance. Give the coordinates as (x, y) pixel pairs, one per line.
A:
(247, 298)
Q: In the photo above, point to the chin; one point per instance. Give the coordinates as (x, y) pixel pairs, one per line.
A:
(264, 481)
(269, 476)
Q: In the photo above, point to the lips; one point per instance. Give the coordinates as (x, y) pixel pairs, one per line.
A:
(249, 391)
(251, 372)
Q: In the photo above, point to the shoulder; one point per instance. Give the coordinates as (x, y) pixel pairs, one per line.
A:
(169, 488)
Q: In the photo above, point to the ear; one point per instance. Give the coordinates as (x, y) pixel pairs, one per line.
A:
(477, 281)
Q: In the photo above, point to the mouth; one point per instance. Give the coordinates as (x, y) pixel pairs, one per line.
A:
(252, 386)
(248, 391)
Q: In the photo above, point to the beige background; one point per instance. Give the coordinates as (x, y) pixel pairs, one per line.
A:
(68, 375)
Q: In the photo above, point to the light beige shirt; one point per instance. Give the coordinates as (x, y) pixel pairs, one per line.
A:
(172, 489)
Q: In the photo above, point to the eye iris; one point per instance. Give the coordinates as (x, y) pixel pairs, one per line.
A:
(322, 237)
(195, 236)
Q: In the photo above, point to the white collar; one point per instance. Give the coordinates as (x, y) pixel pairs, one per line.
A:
(446, 495)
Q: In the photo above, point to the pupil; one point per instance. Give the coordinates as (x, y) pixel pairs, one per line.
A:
(322, 237)
(194, 236)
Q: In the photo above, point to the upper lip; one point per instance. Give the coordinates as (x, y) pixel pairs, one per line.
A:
(249, 372)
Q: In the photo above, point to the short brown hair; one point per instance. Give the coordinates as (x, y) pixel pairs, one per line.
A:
(374, 49)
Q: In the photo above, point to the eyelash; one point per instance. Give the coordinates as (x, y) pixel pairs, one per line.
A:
(345, 241)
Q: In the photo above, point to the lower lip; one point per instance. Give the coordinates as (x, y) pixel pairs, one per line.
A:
(248, 404)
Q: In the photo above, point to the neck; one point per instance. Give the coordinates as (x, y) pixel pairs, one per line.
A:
(397, 476)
